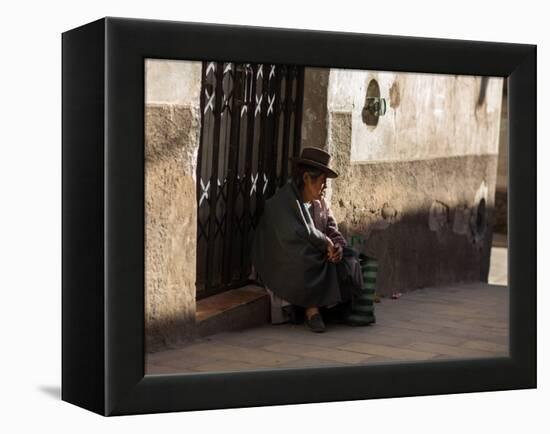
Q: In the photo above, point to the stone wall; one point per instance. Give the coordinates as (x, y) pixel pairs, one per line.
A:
(419, 187)
(172, 135)
(417, 217)
(315, 107)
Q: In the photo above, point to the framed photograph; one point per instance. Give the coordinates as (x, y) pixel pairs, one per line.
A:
(257, 216)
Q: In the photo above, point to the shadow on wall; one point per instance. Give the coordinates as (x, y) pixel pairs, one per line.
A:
(424, 247)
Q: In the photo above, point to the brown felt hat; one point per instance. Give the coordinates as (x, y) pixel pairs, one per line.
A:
(317, 158)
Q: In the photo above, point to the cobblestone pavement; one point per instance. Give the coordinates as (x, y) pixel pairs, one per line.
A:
(451, 322)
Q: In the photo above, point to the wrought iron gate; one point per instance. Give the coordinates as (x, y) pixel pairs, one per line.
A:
(251, 124)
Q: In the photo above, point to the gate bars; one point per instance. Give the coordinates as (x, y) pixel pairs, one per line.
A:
(251, 118)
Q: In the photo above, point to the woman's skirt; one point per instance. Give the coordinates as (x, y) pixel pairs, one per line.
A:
(350, 282)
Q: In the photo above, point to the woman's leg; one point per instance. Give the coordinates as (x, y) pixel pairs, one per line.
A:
(310, 311)
(314, 320)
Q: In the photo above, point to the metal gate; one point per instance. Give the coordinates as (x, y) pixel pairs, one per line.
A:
(251, 124)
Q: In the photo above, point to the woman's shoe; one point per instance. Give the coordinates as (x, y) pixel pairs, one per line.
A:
(315, 323)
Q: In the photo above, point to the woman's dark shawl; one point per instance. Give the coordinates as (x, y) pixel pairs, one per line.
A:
(290, 254)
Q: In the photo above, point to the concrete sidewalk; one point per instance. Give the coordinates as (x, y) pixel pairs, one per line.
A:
(458, 321)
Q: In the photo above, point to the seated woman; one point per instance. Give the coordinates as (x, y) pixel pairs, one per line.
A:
(298, 252)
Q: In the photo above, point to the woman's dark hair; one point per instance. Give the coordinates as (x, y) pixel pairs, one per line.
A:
(298, 174)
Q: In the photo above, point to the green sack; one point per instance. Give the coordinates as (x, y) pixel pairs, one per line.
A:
(362, 308)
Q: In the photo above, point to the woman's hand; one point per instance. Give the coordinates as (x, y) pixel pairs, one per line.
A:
(334, 252)
(330, 247)
(337, 255)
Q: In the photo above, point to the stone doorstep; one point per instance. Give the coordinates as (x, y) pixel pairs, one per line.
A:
(232, 310)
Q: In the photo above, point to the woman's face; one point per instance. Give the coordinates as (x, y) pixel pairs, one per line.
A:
(314, 188)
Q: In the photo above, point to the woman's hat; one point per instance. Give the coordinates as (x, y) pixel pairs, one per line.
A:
(317, 158)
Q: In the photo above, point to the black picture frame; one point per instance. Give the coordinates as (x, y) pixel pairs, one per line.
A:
(103, 215)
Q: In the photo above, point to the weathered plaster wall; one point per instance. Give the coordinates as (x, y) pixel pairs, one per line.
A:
(417, 217)
(172, 134)
(502, 174)
(429, 115)
(411, 187)
(172, 81)
(315, 107)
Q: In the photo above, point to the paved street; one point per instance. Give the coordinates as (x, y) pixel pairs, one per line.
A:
(458, 321)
